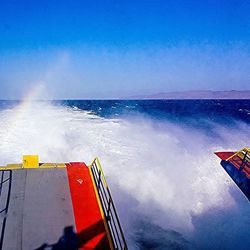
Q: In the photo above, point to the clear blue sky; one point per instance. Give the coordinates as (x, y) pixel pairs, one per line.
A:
(105, 49)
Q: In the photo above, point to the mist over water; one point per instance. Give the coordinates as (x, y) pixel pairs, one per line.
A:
(168, 186)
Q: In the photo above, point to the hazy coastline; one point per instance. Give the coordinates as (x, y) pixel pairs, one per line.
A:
(196, 94)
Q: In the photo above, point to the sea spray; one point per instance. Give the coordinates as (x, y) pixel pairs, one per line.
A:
(162, 174)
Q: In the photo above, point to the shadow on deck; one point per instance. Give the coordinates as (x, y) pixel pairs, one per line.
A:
(94, 237)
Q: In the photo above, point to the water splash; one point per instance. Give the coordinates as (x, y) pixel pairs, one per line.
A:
(162, 173)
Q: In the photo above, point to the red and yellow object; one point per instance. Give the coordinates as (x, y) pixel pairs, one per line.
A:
(237, 165)
(57, 205)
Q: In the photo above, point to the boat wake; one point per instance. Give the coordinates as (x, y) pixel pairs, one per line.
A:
(165, 180)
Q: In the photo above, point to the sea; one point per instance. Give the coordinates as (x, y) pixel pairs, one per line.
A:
(158, 158)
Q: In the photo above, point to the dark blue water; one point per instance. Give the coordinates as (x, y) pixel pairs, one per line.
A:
(214, 110)
(220, 111)
(198, 114)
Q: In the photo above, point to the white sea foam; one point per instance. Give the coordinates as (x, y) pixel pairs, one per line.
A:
(161, 171)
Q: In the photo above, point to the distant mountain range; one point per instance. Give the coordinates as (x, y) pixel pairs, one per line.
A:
(197, 94)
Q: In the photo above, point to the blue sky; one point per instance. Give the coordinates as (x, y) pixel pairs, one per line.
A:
(109, 49)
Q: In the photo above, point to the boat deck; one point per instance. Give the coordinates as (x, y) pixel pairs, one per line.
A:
(240, 160)
(51, 207)
(237, 165)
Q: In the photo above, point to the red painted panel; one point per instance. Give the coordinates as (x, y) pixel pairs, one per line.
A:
(224, 155)
(89, 223)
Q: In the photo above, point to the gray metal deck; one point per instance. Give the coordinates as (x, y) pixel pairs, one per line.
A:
(39, 207)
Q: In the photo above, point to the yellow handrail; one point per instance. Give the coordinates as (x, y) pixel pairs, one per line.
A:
(98, 164)
(247, 150)
(111, 217)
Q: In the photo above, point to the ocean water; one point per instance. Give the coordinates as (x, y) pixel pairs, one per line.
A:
(168, 186)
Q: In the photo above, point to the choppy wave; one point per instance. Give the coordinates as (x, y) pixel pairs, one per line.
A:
(168, 186)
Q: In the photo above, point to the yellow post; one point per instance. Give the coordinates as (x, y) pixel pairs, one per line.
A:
(30, 161)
